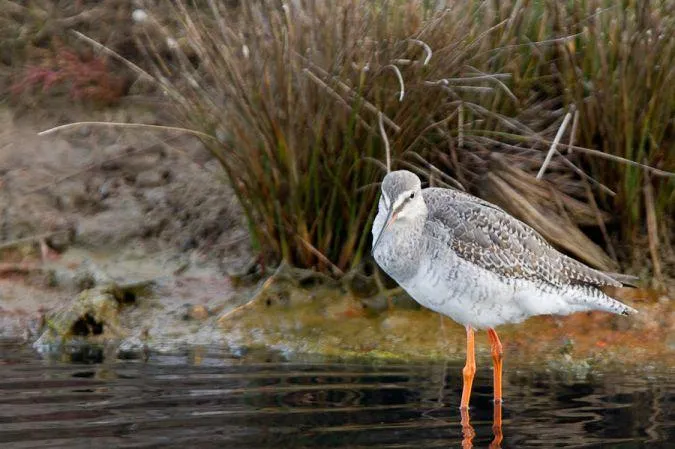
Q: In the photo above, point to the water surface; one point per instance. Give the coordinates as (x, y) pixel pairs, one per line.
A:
(211, 398)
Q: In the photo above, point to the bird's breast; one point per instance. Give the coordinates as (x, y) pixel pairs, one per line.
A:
(463, 292)
(399, 250)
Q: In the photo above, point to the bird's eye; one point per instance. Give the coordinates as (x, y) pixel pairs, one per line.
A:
(412, 195)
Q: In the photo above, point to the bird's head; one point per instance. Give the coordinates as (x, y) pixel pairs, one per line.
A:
(401, 202)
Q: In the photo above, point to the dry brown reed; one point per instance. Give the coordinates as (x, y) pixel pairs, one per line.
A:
(301, 98)
(474, 90)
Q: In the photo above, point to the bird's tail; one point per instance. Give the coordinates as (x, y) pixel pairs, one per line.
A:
(592, 298)
(626, 279)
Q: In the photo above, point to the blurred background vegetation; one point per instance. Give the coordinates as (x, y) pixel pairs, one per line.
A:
(299, 100)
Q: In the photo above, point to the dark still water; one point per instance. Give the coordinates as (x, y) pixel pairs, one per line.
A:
(206, 398)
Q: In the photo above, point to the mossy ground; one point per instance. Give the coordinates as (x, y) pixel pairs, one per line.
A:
(333, 323)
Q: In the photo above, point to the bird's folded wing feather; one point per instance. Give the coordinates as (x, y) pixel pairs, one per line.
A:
(485, 235)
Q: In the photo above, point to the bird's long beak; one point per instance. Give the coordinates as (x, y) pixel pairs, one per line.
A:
(391, 217)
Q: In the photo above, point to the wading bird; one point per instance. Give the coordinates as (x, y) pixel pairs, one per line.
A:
(471, 261)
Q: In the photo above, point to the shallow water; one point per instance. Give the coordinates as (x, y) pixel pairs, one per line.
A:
(209, 398)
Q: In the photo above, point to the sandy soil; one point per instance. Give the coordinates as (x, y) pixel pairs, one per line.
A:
(133, 205)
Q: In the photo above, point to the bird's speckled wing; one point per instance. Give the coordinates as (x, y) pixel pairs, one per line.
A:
(485, 235)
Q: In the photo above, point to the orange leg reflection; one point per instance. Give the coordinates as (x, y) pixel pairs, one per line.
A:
(497, 427)
(469, 369)
(467, 430)
(497, 358)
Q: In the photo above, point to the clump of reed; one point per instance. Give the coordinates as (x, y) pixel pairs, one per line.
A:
(301, 99)
(620, 72)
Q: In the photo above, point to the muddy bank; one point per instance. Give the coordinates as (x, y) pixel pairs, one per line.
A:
(101, 205)
(339, 323)
(116, 189)
(88, 215)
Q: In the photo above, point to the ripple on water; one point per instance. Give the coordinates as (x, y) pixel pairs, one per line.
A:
(208, 398)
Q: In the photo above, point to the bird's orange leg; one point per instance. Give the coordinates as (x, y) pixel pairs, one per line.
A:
(497, 427)
(497, 358)
(469, 368)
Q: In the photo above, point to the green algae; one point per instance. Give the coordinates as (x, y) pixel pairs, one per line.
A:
(332, 321)
(94, 313)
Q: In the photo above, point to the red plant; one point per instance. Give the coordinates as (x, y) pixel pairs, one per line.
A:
(85, 78)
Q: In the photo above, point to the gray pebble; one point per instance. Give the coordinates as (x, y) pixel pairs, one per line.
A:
(155, 196)
(150, 178)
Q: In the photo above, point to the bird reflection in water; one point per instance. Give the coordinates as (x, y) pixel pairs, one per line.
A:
(468, 433)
